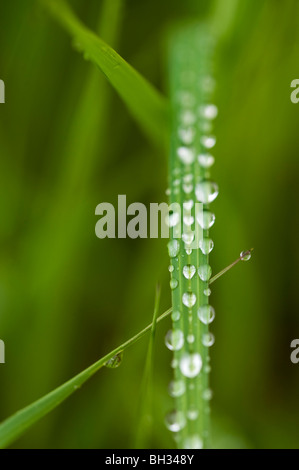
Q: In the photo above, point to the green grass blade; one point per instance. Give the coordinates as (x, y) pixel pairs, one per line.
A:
(145, 421)
(145, 103)
(17, 424)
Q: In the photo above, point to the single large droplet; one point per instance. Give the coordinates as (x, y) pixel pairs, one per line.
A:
(177, 388)
(205, 272)
(174, 340)
(206, 191)
(173, 248)
(173, 283)
(189, 271)
(186, 155)
(193, 442)
(245, 255)
(206, 314)
(208, 339)
(206, 160)
(208, 141)
(206, 245)
(209, 111)
(190, 365)
(175, 421)
(115, 361)
(189, 299)
(205, 219)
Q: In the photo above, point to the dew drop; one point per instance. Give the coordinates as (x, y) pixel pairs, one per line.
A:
(206, 245)
(174, 340)
(171, 268)
(188, 220)
(206, 314)
(206, 191)
(186, 155)
(207, 394)
(207, 292)
(188, 237)
(173, 283)
(188, 251)
(115, 361)
(175, 421)
(190, 365)
(208, 141)
(189, 299)
(192, 413)
(175, 316)
(190, 339)
(188, 178)
(245, 255)
(172, 219)
(187, 135)
(193, 442)
(210, 111)
(189, 271)
(168, 192)
(177, 388)
(173, 248)
(206, 219)
(188, 205)
(205, 272)
(208, 339)
(206, 160)
(188, 118)
(187, 188)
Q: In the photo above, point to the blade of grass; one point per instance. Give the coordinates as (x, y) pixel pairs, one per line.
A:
(145, 413)
(146, 104)
(17, 424)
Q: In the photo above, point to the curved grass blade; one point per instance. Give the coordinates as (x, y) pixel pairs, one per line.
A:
(145, 103)
(17, 424)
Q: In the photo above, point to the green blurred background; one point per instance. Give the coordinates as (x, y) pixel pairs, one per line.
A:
(67, 143)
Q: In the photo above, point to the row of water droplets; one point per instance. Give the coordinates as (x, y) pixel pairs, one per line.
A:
(191, 160)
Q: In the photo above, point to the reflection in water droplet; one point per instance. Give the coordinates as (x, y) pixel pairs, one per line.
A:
(245, 255)
(206, 314)
(115, 361)
(206, 191)
(189, 299)
(189, 271)
(190, 365)
(173, 283)
(174, 340)
(205, 272)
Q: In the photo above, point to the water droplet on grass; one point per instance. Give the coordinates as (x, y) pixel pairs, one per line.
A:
(205, 272)
(175, 316)
(115, 361)
(189, 299)
(175, 421)
(186, 155)
(190, 365)
(173, 248)
(206, 191)
(208, 339)
(206, 245)
(193, 442)
(177, 388)
(173, 283)
(209, 111)
(174, 340)
(206, 219)
(245, 255)
(206, 160)
(189, 271)
(206, 314)
(208, 141)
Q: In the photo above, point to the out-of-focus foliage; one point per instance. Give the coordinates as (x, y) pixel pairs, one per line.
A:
(67, 143)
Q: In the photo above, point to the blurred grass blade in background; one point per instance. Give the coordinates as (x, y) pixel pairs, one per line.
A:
(145, 103)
